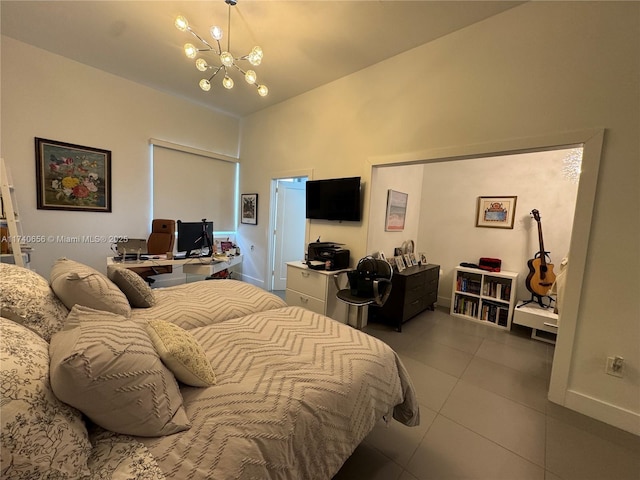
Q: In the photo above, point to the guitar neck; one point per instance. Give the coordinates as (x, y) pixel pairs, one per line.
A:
(541, 241)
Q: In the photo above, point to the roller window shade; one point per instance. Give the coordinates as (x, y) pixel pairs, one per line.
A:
(190, 187)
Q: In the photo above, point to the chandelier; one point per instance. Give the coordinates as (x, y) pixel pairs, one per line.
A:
(227, 61)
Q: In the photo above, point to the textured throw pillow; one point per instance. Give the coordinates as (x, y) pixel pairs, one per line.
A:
(41, 436)
(140, 294)
(107, 367)
(182, 353)
(27, 298)
(75, 283)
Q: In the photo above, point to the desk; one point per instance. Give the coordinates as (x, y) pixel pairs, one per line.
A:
(194, 266)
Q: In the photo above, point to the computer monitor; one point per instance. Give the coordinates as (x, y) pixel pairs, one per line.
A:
(195, 236)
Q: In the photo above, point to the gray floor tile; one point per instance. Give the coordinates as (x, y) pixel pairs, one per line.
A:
(398, 442)
(526, 389)
(575, 454)
(433, 386)
(518, 428)
(451, 451)
(447, 359)
(366, 463)
(531, 361)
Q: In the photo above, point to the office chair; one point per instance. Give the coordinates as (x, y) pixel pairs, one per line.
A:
(161, 240)
(369, 284)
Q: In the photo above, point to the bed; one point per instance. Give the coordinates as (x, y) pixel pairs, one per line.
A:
(295, 393)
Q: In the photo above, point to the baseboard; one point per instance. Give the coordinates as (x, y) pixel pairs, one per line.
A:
(605, 412)
(253, 281)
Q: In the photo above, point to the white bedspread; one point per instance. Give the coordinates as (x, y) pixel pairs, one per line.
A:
(206, 302)
(296, 393)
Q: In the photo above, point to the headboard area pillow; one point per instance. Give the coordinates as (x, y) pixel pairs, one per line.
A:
(76, 283)
(27, 298)
(140, 294)
(107, 367)
(41, 436)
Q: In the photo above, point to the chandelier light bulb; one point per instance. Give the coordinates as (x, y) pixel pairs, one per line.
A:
(201, 65)
(227, 82)
(263, 90)
(226, 58)
(216, 32)
(190, 50)
(181, 23)
(205, 85)
(250, 76)
(255, 57)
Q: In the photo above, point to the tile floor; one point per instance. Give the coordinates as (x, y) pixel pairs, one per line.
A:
(484, 413)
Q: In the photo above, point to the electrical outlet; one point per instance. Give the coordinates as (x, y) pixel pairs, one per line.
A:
(615, 366)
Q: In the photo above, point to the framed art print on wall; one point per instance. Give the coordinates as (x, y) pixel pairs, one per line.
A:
(396, 211)
(496, 212)
(72, 177)
(249, 208)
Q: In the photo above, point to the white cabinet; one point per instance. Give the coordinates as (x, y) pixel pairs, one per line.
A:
(314, 290)
(487, 297)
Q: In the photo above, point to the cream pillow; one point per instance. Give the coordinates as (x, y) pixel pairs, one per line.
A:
(41, 436)
(75, 283)
(107, 367)
(139, 294)
(182, 353)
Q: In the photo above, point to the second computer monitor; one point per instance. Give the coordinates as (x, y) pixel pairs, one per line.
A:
(195, 236)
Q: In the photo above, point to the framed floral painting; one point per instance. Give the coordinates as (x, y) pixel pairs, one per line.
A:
(72, 177)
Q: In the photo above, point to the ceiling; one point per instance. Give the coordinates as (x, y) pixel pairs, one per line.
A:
(306, 44)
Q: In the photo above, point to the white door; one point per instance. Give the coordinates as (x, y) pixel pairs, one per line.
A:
(290, 224)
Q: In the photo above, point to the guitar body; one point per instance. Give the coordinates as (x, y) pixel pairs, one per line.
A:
(540, 277)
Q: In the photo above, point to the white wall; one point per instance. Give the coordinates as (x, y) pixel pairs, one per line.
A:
(49, 96)
(447, 225)
(542, 68)
(406, 179)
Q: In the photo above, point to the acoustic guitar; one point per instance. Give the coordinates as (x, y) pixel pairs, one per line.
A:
(541, 275)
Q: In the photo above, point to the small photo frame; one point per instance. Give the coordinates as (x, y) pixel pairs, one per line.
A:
(496, 212)
(407, 260)
(382, 256)
(392, 261)
(400, 263)
(414, 260)
(423, 258)
(249, 208)
(72, 177)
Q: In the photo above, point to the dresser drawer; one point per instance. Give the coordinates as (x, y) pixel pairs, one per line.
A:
(298, 299)
(307, 281)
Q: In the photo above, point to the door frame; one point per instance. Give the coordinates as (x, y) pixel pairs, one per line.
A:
(591, 140)
(275, 176)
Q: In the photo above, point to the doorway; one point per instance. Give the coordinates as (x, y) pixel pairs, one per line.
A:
(288, 232)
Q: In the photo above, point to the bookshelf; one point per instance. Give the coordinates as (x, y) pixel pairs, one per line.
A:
(486, 297)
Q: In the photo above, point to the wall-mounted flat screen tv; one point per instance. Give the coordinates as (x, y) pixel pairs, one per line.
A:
(334, 199)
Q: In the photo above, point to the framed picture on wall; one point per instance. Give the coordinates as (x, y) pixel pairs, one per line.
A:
(496, 212)
(249, 208)
(72, 177)
(396, 211)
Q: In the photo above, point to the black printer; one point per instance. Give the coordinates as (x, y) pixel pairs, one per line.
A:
(327, 256)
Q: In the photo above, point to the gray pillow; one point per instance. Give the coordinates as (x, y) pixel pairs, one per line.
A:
(75, 283)
(27, 298)
(140, 294)
(106, 366)
(41, 436)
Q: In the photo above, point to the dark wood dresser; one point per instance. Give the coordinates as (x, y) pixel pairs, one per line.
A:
(414, 290)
